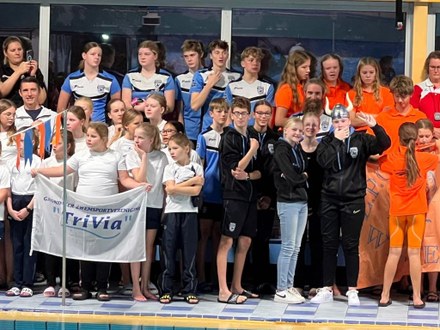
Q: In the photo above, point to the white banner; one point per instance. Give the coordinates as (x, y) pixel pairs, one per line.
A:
(110, 228)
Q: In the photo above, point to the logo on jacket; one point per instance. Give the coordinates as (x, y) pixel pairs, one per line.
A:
(157, 83)
(354, 152)
(101, 88)
(260, 90)
(232, 226)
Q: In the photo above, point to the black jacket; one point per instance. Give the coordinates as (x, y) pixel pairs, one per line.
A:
(265, 185)
(344, 163)
(233, 147)
(289, 177)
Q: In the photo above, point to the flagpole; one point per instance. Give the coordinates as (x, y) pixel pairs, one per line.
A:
(63, 272)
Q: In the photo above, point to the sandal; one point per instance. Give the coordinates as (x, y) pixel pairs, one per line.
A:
(26, 293)
(102, 296)
(191, 299)
(13, 292)
(432, 297)
(81, 295)
(49, 292)
(165, 298)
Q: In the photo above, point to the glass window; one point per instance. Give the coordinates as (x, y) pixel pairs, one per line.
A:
(352, 35)
(25, 25)
(125, 27)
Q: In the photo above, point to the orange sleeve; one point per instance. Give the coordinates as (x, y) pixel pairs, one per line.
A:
(284, 97)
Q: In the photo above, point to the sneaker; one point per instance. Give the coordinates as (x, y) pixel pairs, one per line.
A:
(294, 292)
(287, 298)
(353, 299)
(323, 295)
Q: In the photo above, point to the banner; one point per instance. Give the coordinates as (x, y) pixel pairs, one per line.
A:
(110, 228)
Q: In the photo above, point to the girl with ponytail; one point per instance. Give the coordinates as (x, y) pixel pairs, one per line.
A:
(408, 207)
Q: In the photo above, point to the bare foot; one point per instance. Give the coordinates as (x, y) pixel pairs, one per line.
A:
(138, 296)
(149, 295)
(336, 291)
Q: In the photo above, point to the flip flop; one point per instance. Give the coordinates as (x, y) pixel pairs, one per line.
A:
(165, 299)
(386, 304)
(191, 299)
(13, 292)
(49, 292)
(249, 295)
(26, 293)
(232, 299)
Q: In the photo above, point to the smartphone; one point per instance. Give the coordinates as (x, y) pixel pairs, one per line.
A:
(29, 55)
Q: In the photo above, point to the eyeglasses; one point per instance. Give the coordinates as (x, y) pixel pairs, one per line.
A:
(167, 131)
(262, 114)
(240, 114)
(434, 67)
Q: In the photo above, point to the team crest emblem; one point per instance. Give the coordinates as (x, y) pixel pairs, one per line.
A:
(157, 83)
(325, 124)
(232, 226)
(270, 148)
(353, 152)
(101, 88)
(260, 90)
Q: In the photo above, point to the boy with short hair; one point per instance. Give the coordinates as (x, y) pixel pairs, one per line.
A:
(249, 85)
(211, 213)
(211, 83)
(192, 51)
(239, 170)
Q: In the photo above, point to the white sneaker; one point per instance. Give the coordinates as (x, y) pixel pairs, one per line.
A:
(353, 299)
(294, 292)
(287, 298)
(323, 295)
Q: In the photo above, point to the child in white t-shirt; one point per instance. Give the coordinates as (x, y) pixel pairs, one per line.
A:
(180, 223)
(147, 163)
(20, 205)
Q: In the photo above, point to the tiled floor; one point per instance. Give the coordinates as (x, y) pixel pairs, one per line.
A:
(399, 313)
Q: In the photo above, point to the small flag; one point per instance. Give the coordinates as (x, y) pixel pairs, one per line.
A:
(28, 146)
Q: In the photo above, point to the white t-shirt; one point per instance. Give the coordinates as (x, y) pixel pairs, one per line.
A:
(193, 156)
(5, 183)
(156, 166)
(123, 146)
(9, 151)
(70, 179)
(97, 172)
(80, 144)
(176, 172)
(22, 182)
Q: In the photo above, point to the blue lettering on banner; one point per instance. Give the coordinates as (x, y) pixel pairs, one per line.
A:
(88, 222)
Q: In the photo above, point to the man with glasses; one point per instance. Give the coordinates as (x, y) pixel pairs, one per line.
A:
(249, 85)
(239, 172)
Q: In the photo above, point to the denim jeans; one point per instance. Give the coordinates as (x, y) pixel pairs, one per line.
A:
(293, 220)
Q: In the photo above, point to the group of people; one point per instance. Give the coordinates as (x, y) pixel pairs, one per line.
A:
(242, 152)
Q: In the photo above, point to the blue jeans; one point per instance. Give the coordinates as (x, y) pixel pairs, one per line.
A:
(293, 220)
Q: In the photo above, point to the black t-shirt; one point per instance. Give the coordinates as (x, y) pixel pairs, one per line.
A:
(6, 71)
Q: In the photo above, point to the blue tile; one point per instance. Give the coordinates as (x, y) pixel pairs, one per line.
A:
(300, 312)
(224, 317)
(2, 301)
(125, 327)
(364, 307)
(113, 305)
(242, 318)
(383, 323)
(360, 315)
(398, 323)
(430, 324)
(236, 310)
(7, 325)
(415, 324)
(422, 317)
(102, 313)
(85, 312)
(148, 314)
(367, 322)
(177, 308)
(208, 316)
(90, 326)
(30, 325)
(54, 303)
(351, 322)
(61, 326)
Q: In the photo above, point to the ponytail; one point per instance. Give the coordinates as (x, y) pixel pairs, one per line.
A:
(412, 168)
(408, 135)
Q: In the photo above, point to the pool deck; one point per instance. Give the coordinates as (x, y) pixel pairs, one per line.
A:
(255, 313)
